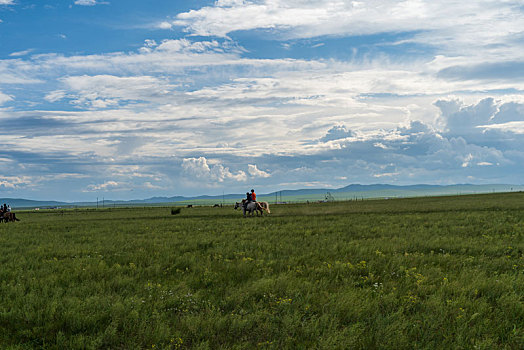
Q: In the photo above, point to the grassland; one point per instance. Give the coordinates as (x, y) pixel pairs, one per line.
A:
(421, 273)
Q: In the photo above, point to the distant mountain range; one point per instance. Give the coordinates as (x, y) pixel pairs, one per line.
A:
(354, 191)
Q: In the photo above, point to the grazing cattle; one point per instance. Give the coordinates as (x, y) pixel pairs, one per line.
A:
(216, 206)
(190, 205)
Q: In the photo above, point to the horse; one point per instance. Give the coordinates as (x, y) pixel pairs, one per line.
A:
(252, 207)
(9, 216)
(265, 206)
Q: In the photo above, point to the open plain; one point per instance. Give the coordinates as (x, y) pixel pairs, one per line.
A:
(437, 272)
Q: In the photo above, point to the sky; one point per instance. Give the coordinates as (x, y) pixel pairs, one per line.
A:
(131, 99)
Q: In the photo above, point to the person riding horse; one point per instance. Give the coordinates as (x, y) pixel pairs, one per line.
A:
(249, 199)
(6, 215)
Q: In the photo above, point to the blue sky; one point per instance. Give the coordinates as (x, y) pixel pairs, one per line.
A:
(134, 99)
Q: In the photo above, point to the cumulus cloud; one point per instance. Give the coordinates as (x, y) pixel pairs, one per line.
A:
(200, 169)
(255, 172)
(337, 132)
(461, 119)
(487, 122)
(415, 150)
(13, 182)
(7, 2)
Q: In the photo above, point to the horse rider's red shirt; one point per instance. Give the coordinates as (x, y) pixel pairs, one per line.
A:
(253, 196)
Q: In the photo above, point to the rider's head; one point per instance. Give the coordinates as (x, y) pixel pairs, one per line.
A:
(247, 192)
(252, 190)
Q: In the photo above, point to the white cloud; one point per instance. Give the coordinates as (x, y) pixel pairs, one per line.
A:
(299, 18)
(7, 2)
(485, 121)
(196, 166)
(228, 3)
(167, 57)
(337, 132)
(164, 25)
(13, 182)
(18, 71)
(467, 159)
(158, 106)
(106, 186)
(85, 2)
(255, 172)
(386, 175)
(4, 98)
(55, 96)
(151, 186)
(511, 127)
(465, 32)
(90, 2)
(21, 53)
(102, 91)
(460, 118)
(199, 169)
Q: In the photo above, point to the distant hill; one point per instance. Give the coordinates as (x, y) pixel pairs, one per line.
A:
(385, 190)
(353, 191)
(27, 203)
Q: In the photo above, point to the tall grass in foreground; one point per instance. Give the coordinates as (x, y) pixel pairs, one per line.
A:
(395, 274)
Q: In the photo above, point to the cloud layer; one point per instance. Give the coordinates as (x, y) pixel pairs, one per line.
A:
(422, 92)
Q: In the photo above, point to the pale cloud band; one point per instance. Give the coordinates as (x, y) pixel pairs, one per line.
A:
(90, 2)
(450, 21)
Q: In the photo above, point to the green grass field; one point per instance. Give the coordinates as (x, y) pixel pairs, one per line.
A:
(422, 273)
